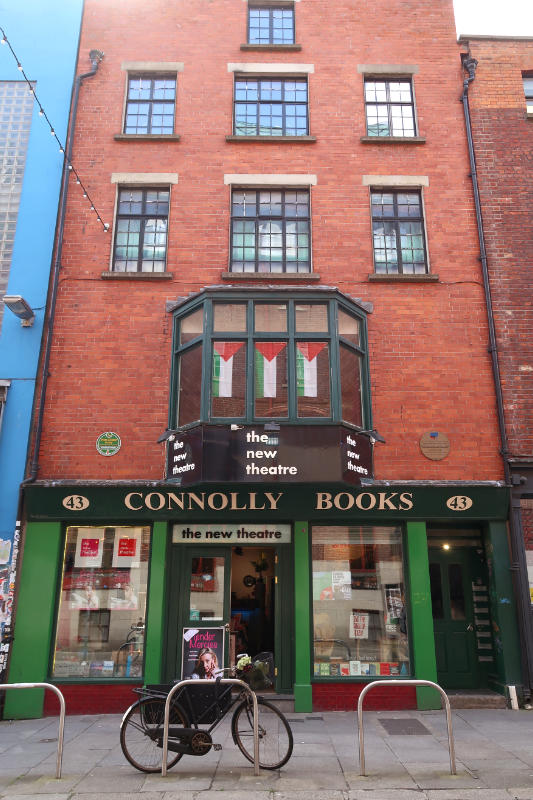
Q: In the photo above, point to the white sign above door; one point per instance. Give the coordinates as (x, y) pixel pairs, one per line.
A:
(238, 533)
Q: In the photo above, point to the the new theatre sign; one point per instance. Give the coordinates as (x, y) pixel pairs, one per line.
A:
(255, 454)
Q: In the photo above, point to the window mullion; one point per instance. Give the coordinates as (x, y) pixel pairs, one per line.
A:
(250, 363)
(142, 221)
(291, 362)
(398, 245)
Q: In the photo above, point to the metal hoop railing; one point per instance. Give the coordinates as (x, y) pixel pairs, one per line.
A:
(189, 681)
(61, 714)
(373, 685)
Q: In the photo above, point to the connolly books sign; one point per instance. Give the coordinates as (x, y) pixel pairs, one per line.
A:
(293, 454)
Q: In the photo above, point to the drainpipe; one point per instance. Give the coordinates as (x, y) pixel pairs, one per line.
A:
(518, 564)
(96, 56)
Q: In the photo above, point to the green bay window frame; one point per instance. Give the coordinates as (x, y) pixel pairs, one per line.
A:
(248, 337)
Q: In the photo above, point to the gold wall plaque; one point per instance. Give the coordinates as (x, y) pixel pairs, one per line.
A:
(434, 445)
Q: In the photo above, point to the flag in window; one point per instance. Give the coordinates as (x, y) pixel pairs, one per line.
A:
(223, 353)
(266, 360)
(306, 367)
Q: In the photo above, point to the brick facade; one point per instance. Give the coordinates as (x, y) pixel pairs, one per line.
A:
(503, 140)
(111, 356)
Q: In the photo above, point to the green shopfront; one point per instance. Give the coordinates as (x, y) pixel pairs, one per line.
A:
(340, 583)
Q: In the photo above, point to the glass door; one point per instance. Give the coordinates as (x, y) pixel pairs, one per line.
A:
(203, 610)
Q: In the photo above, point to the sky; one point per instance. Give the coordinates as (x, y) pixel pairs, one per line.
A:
(496, 17)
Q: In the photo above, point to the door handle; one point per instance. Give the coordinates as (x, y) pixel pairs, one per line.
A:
(470, 627)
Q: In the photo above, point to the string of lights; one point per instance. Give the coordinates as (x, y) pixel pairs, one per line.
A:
(42, 113)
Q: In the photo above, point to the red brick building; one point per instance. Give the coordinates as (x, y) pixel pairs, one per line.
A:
(501, 106)
(292, 261)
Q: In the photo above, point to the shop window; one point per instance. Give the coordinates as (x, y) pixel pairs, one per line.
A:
(273, 358)
(359, 615)
(102, 608)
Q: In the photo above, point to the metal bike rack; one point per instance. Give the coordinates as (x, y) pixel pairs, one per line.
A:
(373, 685)
(61, 714)
(193, 682)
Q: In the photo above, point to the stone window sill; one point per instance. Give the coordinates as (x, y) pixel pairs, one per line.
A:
(386, 278)
(393, 139)
(272, 139)
(137, 276)
(272, 48)
(134, 137)
(270, 276)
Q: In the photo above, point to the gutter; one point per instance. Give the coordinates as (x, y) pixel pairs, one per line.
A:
(518, 559)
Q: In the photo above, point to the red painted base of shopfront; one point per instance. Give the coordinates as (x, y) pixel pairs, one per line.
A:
(102, 698)
(112, 698)
(344, 696)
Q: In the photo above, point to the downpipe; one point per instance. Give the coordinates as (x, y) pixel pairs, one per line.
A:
(518, 567)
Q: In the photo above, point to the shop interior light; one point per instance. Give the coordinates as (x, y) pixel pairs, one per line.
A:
(20, 308)
(446, 546)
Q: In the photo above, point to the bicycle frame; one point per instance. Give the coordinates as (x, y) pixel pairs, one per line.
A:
(189, 682)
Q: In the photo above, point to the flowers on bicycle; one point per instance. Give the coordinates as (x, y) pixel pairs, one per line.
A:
(244, 664)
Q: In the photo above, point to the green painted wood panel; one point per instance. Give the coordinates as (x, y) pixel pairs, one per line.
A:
(502, 608)
(34, 624)
(303, 696)
(421, 619)
(156, 615)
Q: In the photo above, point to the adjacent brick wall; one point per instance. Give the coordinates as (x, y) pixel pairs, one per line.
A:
(503, 139)
(430, 368)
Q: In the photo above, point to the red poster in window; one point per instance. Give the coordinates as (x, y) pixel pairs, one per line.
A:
(89, 548)
(127, 547)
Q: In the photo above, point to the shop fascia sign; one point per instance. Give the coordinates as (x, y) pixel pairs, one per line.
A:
(80, 504)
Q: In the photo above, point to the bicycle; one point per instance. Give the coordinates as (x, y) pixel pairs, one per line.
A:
(130, 653)
(141, 729)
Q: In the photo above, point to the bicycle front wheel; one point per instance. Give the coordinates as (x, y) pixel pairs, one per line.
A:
(275, 735)
(141, 734)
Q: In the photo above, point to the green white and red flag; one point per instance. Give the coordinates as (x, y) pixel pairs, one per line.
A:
(307, 367)
(223, 352)
(266, 367)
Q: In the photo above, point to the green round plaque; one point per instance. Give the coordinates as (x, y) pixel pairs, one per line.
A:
(108, 443)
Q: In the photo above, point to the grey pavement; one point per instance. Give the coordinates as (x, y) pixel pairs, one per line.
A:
(404, 760)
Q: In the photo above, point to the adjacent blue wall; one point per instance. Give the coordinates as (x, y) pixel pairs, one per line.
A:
(45, 35)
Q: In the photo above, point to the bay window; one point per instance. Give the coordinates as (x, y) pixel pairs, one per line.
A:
(269, 356)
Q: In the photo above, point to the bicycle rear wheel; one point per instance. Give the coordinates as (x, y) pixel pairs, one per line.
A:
(141, 733)
(275, 735)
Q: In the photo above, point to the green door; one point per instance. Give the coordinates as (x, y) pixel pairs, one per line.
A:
(453, 618)
(200, 600)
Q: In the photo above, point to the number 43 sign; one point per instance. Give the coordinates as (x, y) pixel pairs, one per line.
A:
(459, 502)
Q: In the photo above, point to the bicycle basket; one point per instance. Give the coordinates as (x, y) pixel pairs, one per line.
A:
(260, 674)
